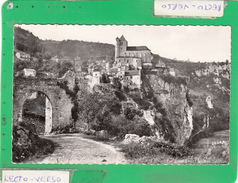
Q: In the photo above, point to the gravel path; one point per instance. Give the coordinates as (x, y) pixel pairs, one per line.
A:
(74, 149)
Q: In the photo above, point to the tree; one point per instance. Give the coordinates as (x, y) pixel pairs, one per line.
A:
(91, 105)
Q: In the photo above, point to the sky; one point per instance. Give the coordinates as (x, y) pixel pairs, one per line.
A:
(193, 43)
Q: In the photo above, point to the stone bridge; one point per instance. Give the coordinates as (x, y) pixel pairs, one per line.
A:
(58, 103)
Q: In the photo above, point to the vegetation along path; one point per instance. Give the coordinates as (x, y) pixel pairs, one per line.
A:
(74, 149)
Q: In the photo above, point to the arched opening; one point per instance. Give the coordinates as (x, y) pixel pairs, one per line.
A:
(37, 110)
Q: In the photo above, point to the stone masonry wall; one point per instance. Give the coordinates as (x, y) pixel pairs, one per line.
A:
(61, 103)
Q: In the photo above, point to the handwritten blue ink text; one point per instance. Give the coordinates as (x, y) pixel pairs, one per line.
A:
(41, 179)
(207, 7)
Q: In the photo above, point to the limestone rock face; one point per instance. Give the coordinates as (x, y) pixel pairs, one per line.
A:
(215, 69)
(176, 120)
(209, 102)
(149, 116)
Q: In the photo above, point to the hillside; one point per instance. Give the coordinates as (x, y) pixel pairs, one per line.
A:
(68, 52)
(84, 50)
(25, 41)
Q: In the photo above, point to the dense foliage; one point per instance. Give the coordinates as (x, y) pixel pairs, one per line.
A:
(154, 148)
(103, 111)
(26, 144)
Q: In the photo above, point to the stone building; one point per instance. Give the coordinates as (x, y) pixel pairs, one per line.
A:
(23, 56)
(129, 61)
(123, 51)
(94, 79)
(29, 72)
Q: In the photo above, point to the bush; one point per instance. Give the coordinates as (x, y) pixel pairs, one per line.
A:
(129, 113)
(120, 95)
(154, 148)
(175, 80)
(143, 103)
(119, 126)
(172, 149)
(133, 150)
(138, 126)
(26, 144)
(65, 129)
(94, 104)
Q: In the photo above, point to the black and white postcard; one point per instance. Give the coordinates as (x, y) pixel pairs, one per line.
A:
(111, 94)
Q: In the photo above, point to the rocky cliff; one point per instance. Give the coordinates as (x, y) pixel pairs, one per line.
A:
(209, 91)
(173, 108)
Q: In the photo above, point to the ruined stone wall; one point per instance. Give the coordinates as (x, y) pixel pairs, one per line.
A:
(64, 109)
(61, 103)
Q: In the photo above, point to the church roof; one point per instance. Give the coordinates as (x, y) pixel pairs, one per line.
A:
(122, 38)
(137, 48)
(132, 73)
(96, 70)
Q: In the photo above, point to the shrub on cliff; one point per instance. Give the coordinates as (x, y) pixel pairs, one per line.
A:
(143, 103)
(177, 80)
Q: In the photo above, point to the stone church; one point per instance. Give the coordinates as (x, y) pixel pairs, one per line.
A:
(129, 61)
(123, 52)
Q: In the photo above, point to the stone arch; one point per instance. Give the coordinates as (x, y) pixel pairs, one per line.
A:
(23, 88)
(48, 108)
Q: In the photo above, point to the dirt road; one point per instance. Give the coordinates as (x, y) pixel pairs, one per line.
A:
(74, 149)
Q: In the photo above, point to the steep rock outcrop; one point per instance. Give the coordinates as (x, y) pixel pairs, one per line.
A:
(173, 107)
(218, 69)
